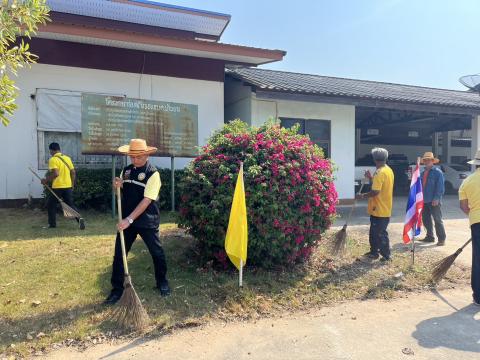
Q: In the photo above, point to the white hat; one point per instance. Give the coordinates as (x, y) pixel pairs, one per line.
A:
(475, 161)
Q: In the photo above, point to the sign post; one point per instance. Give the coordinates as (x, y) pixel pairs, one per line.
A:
(113, 190)
(172, 167)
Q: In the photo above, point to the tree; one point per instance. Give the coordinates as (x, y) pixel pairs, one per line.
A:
(18, 19)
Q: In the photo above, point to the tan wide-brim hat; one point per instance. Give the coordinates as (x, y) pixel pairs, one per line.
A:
(475, 161)
(137, 147)
(429, 156)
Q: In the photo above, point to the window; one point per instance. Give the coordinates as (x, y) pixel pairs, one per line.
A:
(318, 130)
(59, 120)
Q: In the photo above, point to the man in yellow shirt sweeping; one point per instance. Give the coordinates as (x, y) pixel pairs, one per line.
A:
(61, 174)
(469, 195)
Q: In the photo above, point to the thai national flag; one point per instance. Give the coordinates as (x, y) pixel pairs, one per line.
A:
(413, 218)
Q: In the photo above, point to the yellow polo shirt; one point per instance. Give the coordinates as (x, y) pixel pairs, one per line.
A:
(381, 205)
(63, 180)
(152, 189)
(470, 190)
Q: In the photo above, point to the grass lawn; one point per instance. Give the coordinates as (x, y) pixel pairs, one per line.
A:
(52, 282)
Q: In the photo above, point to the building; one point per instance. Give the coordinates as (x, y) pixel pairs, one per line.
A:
(146, 50)
(133, 48)
(348, 117)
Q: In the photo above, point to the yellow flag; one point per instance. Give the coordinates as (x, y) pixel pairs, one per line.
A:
(236, 240)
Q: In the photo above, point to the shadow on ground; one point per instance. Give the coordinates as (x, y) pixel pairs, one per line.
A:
(459, 330)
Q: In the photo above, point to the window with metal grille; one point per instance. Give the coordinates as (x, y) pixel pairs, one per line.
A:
(318, 130)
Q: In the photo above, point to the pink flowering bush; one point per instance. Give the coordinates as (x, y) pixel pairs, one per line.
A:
(289, 189)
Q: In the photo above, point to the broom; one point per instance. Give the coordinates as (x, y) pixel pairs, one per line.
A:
(129, 312)
(68, 211)
(441, 268)
(340, 242)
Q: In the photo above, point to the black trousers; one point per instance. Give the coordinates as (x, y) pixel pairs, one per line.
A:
(152, 240)
(378, 236)
(430, 211)
(66, 195)
(475, 228)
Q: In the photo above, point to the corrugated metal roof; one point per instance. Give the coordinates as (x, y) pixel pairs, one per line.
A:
(146, 13)
(341, 87)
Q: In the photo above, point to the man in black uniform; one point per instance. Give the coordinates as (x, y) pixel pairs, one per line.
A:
(141, 184)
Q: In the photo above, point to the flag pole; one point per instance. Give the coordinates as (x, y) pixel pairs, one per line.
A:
(240, 277)
(414, 230)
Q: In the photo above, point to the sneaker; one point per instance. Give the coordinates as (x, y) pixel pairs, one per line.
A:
(81, 224)
(385, 260)
(112, 298)
(164, 289)
(427, 239)
(373, 256)
(49, 227)
(441, 243)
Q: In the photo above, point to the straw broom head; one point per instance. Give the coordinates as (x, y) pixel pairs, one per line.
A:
(129, 312)
(68, 212)
(340, 242)
(441, 268)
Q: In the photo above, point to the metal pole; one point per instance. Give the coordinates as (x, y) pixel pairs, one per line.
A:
(113, 190)
(240, 275)
(172, 166)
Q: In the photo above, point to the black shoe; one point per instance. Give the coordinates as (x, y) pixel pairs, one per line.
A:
(164, 289)
(112, 298)
(49, 227)
(81, 224)
(371, 255)
(427, 239)
(475, 302)
(385, 259)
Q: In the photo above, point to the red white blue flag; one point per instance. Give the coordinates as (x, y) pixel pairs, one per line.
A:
(413, 217)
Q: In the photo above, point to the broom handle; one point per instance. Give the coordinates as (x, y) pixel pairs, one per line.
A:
(122, 238)
(48, 187)
(354, 204)
(464, 245)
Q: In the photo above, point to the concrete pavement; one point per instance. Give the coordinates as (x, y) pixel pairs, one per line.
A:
(421, 326)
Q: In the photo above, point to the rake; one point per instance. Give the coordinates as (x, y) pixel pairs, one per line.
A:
(68, 211)
(441, 268)
(129, 313)
(340, 242)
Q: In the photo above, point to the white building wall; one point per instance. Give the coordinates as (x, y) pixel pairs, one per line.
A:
(19, 139)
(237, 101)
(342, 119)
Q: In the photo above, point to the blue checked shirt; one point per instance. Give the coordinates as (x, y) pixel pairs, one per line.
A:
(435, 185)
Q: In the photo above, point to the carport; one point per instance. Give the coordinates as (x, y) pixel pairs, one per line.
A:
(407, 120)
(410, 120)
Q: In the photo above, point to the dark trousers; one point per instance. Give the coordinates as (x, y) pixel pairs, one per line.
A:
(152, 240)
(430, 211)
(475, 228)
(66, 195)
(378, 236)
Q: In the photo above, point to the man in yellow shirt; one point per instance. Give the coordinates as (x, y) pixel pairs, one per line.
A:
(469, 195)
(380, 200)
(61, 174)
(140, 183)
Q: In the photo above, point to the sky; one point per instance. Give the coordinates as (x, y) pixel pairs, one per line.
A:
(420, 42)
